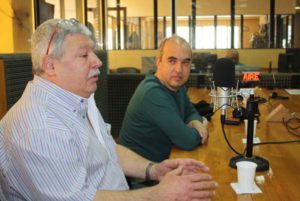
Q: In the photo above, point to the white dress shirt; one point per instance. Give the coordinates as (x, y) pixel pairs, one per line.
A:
(50, 150)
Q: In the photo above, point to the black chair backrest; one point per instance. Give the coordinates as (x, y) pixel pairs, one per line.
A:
(127, 70)
(18, 71)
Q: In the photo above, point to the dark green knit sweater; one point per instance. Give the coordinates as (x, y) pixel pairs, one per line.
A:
(156, 119)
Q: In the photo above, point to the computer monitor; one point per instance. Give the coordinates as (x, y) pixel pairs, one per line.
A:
(296, 58)
(204, 61)
(285, 62)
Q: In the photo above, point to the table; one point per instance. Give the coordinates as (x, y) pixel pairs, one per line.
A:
(282, 181)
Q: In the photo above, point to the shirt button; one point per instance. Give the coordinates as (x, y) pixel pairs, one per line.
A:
(74, 111)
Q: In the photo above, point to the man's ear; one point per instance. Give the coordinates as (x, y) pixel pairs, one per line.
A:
(157, 61)
(48, 65)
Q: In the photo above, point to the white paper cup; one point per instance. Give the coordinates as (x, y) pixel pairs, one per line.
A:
(246, 173)
(254, 127)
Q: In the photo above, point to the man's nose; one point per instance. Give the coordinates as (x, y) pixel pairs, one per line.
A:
(178, 66)
(96, 62)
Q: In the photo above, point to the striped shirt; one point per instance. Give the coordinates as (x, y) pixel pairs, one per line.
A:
(49, 150)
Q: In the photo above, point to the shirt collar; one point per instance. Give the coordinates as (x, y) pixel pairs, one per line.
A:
(76, 103)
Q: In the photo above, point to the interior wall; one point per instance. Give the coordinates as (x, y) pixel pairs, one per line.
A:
(260, 57)
(215, 7)
(6, 22)
(285, 6)
(22, 25)
(138, 8)
(253, 7)
(17, 25)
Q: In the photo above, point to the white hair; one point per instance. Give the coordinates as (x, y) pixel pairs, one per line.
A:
(49, 39)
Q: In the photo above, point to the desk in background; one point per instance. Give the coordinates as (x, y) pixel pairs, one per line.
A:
(282, 182)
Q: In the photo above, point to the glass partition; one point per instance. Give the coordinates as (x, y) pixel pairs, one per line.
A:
(224, 33)
(256, 20)
(205, 32)
(130, 24)
(163, 28)
(183, 11)
(206, 24)
(94, 21)
(64, 9)
(164, 20)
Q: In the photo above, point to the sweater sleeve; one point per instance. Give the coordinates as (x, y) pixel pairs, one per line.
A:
(190, 112)
(163, 112)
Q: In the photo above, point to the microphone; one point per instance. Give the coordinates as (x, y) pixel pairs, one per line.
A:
(262, 164)
(225, 96)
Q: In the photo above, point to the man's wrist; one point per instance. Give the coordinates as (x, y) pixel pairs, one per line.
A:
(148, 171)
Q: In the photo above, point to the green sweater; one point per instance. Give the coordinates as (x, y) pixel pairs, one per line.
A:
(156, 119)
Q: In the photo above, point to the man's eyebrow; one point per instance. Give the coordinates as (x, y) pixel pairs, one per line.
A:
(82, 48)
(172, 57)
(187, 59)
(86, 47)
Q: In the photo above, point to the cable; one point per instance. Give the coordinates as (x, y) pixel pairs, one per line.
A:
(226, 139)
(289, 128)
(223, 119)
(276, 142)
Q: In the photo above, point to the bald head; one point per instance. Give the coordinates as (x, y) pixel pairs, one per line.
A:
(233, 55)
(174, 39)
(173, 62)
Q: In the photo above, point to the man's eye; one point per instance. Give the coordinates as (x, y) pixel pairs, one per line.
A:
(186, 62)
(172, 61)
(84, 55)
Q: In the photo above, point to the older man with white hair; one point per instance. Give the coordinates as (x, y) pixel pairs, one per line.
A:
(54, 144)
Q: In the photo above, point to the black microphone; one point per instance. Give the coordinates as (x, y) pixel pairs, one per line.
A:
(262, 164)
(224, 80)
(224, 73)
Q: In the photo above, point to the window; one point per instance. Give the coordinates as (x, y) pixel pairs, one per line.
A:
(205, 37)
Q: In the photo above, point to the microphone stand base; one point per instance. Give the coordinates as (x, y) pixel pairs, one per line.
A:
(262, 164)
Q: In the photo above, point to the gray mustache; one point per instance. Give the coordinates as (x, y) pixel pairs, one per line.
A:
(94, 73)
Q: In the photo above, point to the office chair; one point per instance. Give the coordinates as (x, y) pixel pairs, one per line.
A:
(127, 70)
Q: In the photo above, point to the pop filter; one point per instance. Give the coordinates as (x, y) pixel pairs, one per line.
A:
(224, 73)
